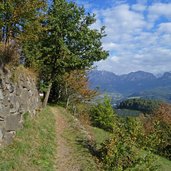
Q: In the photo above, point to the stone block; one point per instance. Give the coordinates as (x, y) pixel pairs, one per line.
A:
(13, 122)
(8, 137)
(1, 95)
(10, 88)
(6, 101)
(15, 99)
(1, 134)
(4, 111)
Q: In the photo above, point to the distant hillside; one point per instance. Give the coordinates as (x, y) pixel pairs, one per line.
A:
(138, 83)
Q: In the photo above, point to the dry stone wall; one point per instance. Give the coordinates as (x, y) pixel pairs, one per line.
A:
(16, 98)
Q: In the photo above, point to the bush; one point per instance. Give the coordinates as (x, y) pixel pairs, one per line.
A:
(160, 139)
(8, 54)
(103, 115)
(83, 113)
(125, 150)
(122, 152)
(132, 127)
(158, 131)
(116, 154)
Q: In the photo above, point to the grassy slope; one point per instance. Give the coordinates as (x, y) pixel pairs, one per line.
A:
(101, 136)
(165, 164)
(34, 146)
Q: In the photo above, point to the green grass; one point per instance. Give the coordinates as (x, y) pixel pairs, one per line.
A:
(34, 146)
(100, 136)
(77, 141)
(165, 164)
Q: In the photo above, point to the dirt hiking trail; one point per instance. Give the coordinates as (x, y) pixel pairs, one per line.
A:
(64, 159)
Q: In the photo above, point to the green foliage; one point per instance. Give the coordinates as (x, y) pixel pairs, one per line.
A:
(67, 44)
(53, 42)
(103, 115)
(120, 153)
(8, 55)
(146, 160)
(163, 132)
(124, 151)
(99, 136)
(143, 105)
(158, 131)
(117, 154)
(19, 20)
(159, 140)
(132, 128)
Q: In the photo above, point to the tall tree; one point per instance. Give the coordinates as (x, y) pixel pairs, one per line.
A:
(69, 43)
(20, 19)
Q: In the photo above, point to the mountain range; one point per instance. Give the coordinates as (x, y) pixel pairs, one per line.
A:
(134, 84)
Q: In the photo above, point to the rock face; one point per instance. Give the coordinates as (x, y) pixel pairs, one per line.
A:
(16, 98)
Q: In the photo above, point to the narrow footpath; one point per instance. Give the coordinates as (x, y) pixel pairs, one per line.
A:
(72, 153)
(64, 158)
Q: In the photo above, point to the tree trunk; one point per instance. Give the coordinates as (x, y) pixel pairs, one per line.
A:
(68, 101)
(74, 109)
(47, 95)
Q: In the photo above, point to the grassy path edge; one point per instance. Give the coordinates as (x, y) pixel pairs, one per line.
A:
(34, 146)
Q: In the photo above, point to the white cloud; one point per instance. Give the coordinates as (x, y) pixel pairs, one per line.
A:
(86, 4)
(165, 28)
(115, 59)
(136, 41)
(158, 10)
(120, 23)
(110, 46)
(139, 7)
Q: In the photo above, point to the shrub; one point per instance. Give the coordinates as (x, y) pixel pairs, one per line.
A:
(158, 131)
(125, 150)
(21, 71)
(8, 54)
(121, 152)
(83, 113)
(132, 127)
(116, 154)
(103, 115)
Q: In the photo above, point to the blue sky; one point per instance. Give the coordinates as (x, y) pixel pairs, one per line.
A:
(138, 34)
